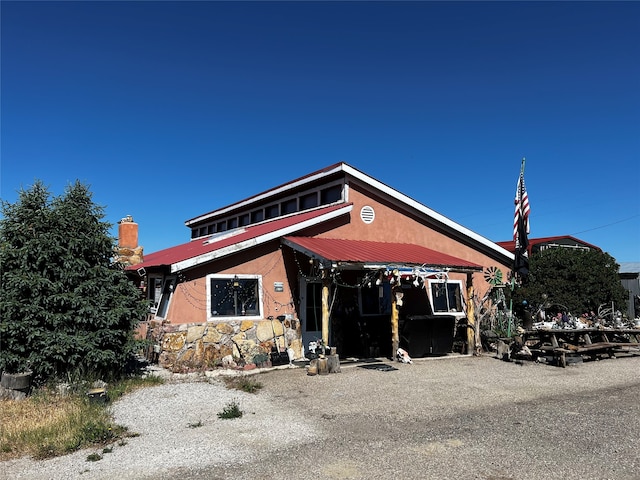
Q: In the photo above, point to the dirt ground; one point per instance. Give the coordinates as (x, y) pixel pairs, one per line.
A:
(459, 418)
(447, 418)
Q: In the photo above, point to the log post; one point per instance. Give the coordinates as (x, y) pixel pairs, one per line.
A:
(395, 335)
(333, 363)
(471, 320)
(325, 307)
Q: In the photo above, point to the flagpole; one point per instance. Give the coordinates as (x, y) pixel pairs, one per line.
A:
(513, 273)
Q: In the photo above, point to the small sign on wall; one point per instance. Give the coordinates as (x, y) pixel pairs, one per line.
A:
(278, 286)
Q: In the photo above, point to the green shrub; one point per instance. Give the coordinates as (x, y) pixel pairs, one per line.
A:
(230, 411)
(66, 309)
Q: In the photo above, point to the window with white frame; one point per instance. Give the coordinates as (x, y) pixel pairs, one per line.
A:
(234, 296)
(446, 297)
(165, 297)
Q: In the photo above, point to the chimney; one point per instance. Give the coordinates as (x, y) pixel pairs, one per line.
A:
(128, 251)
(127, 233)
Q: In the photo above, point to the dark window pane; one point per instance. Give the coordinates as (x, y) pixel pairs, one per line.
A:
(167, 290)
(376, 299)
(289, 206)
(439, 296)
(257, 216)
(314, 307)
(455, 299)
(154, 290)
(221, 226)
(244, 220)
(309, 200)
(330, 195)
(233, 298)
(233, 223)
(272, 211)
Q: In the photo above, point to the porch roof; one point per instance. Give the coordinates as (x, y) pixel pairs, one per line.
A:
(366, 253)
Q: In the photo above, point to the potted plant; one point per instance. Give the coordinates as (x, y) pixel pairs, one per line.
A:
(16, 374)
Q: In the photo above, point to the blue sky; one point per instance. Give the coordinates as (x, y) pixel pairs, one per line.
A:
(170, 110)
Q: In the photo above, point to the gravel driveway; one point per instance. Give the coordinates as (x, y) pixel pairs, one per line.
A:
(450, 418)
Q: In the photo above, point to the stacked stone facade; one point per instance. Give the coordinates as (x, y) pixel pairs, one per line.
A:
(185, 347)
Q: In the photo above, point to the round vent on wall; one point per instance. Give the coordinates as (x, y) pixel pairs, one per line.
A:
(367, 214)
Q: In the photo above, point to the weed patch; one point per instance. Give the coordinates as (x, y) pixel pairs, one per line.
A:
(230, 411)
(94, 457)
(244, 384)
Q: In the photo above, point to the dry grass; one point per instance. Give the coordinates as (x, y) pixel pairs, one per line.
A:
(47, 424)
(246, 384)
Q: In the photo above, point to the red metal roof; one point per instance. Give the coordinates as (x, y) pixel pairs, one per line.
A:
(510, 245)
(201, 246)
(362, 251)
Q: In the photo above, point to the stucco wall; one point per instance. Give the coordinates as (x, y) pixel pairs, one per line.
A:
(393, 225)
(189, 302)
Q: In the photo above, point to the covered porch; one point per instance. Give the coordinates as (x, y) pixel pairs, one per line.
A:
(368, 298)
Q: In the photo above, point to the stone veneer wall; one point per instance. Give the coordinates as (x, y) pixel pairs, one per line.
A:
(129, 256)
(197, 346)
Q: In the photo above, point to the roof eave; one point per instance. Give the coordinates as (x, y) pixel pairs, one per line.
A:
(354, 265)
(381, 265)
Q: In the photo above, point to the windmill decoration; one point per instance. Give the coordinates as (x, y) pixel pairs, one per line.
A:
(493, 276)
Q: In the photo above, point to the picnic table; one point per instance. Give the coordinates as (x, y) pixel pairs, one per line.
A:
(590, 343)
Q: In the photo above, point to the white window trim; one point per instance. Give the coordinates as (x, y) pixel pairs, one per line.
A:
(229, 276)
(462, 300)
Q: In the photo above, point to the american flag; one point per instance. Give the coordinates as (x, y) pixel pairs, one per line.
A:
(521, 228)
(522, 208)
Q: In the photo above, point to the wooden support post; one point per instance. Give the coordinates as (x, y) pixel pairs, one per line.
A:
(395, 335)
(471, 319)
(326, 281)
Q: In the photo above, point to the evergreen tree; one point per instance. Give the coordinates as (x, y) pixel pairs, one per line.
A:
(579, 280)
(66, 309)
